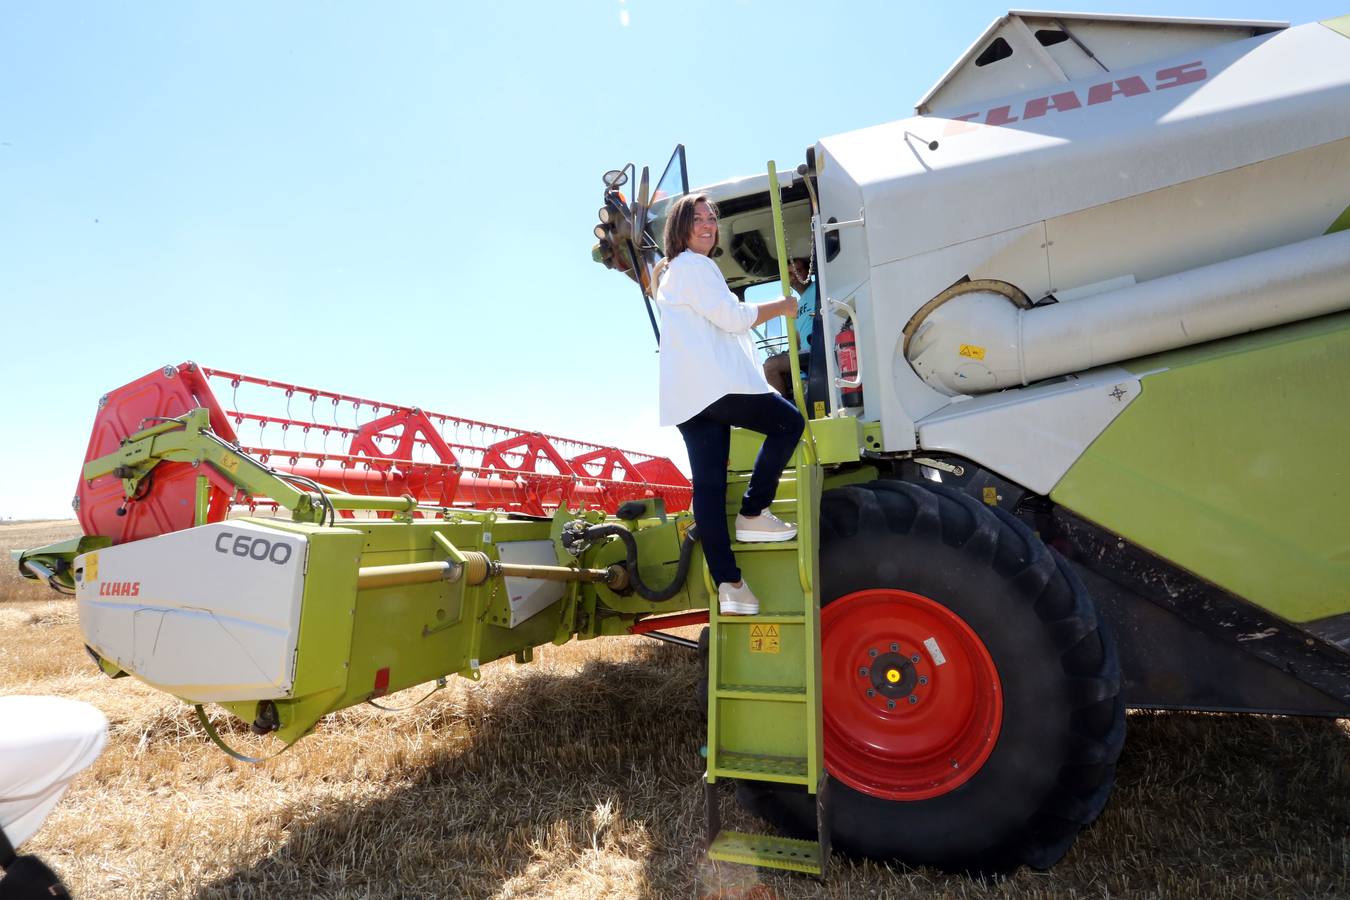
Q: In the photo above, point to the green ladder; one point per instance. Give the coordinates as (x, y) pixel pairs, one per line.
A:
(764, 711)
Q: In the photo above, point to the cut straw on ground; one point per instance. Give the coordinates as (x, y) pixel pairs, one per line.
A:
(578, 776)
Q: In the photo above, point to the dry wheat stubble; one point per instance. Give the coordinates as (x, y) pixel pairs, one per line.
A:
(578, 776)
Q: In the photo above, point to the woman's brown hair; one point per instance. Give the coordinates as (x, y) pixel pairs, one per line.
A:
(679, 224)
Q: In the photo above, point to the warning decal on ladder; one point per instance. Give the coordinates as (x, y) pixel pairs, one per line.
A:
(764, 639)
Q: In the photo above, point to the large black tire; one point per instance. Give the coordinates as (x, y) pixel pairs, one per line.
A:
(1052, 766)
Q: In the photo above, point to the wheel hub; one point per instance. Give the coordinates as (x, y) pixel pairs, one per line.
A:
(912, 699)
(891, 675)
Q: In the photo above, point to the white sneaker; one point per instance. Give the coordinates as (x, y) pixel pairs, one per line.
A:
(736, 600)
(765, 527)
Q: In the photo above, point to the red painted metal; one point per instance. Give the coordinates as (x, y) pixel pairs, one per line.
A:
(381, 449)
(656, 623)
(936, 702)
(168, 503)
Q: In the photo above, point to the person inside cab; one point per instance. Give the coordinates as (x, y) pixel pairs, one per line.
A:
(778, 368)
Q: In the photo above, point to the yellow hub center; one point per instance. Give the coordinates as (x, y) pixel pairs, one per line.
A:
(892, 675)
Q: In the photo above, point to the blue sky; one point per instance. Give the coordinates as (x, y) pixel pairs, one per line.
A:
(395, 200)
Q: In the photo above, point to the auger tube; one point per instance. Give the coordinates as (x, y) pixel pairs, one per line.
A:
(371, 577)
(1018, 346)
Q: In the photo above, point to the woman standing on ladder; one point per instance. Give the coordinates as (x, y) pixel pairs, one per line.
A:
(710, 382)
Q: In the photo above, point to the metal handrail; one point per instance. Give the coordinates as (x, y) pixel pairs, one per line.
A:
(828, 306)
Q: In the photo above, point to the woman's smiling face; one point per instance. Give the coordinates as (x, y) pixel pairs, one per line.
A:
(703, 235)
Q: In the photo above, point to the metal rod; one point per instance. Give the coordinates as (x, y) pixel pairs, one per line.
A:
(790, 323)
(676, 621)
(847, 311)
(46, 575)
(405, 503)
(369, 577)
(551, 573)
(1081, 46)
(851, 223)
(672, 639)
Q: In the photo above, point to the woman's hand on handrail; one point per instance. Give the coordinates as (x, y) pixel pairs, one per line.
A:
(787, 306)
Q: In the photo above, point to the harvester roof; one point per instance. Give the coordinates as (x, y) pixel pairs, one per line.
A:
(1028, 49)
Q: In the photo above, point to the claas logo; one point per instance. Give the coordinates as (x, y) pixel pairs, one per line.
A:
(119, 589)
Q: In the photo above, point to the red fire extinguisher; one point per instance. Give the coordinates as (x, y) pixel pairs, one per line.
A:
(847, 354)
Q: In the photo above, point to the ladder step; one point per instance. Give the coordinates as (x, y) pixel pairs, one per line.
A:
(785, 509)
(755, 767)
(769, 618)
(764, 618)
(767, 850)
(753, 546)
(761, 692)
(745, 476)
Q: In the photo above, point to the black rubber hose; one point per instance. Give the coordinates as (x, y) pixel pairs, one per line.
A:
(572, 539)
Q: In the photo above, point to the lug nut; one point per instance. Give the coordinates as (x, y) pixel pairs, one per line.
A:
(923, 679)
(895, 648)
(862, 673)
(872, 653)
(890, 704)
(915, 658)
(913, 698)
(871, 693)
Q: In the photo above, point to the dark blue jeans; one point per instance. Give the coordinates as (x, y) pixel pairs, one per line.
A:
(708, 437)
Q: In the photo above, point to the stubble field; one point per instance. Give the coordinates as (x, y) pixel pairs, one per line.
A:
(578, 776)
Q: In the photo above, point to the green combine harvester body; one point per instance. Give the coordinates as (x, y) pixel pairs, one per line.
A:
(1075, 443)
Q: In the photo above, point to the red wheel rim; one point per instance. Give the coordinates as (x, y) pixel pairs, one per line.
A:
(935, 705)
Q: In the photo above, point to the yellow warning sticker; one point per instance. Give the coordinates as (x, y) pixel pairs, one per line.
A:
(682, 527)
(91, 567)
(229, 462)
(764, 639)
(991, 496)
(972, 351)
(820, 410)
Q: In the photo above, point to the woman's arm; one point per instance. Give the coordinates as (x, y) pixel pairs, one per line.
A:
(701, 287)
(774, 308)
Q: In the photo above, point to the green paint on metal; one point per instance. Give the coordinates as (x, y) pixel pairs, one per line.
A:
(871, 436)
(202, 501)
(110, 668)
(348, 637)
(837, 439)
(1340, 23)
(357, 643)
(764, 708)
(1232, 463)
(59, 558)
(771, 851)
(1343, 220)
(794, 351)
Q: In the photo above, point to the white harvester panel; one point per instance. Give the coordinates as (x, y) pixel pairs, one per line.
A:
(1178, 159)
(529, 595)
(208, 614)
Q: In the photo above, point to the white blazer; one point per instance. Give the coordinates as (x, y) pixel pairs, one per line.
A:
(705, 339)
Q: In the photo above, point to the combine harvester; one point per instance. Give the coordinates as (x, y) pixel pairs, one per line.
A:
(1082, 448)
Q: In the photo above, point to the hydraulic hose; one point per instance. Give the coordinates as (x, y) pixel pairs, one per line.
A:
(578, 536)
